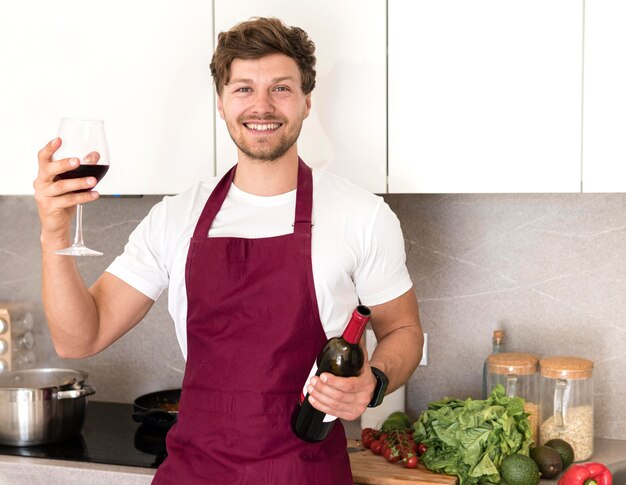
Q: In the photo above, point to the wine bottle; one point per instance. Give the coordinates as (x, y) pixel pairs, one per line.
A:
(497, 346)
(341, 356)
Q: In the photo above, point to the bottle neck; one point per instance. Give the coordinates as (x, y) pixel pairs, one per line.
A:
(498, 345)
(356, 325)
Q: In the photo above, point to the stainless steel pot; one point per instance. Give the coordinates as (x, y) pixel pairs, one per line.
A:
(40, 406)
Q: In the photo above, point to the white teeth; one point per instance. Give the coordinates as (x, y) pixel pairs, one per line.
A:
(264, 127)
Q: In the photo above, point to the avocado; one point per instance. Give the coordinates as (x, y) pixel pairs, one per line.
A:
(564, 449)
(548, 460)
(519, 469)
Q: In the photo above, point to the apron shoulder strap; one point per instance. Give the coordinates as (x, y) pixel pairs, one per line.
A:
(212, 207)
(304, 199)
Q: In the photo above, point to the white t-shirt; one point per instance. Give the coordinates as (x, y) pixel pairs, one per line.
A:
(357, 246)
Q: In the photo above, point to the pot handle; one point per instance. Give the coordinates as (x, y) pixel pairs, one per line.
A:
(86, 390)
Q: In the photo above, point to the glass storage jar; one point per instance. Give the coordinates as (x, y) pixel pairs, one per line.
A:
(517, 372)
(566, 403)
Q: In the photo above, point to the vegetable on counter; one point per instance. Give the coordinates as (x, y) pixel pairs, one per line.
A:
(471, 438)
(395, 446)
(587, 474)
(396, 420)
(519, 469)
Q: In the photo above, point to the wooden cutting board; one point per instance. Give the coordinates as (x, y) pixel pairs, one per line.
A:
(370, 469)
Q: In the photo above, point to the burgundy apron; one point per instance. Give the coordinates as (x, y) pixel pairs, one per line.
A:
(253, 333)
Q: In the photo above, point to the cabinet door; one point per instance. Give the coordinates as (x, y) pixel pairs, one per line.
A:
(141, 66)
(346, 130)
(485, 96)
(604, 114)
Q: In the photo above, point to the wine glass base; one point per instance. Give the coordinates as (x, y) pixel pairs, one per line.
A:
(78, 250)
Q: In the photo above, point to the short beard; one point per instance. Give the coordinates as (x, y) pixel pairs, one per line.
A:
(268, 155)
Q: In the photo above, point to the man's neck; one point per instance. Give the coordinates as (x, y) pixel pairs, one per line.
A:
(267, 178)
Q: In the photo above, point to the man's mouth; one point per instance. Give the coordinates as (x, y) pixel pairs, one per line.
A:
(262, 126)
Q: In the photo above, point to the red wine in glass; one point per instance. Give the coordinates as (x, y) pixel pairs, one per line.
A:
(84, 139)
(97, 171)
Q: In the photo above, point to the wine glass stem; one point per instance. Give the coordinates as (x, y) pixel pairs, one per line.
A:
(78, 234)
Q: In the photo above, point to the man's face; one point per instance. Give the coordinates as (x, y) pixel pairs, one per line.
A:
(264, 106)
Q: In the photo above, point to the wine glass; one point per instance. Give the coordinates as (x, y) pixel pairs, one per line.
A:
(83, 139)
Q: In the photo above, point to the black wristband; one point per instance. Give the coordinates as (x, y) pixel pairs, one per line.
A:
(381, 387)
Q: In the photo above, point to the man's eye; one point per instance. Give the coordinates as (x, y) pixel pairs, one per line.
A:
(281, 88)
(243, 90)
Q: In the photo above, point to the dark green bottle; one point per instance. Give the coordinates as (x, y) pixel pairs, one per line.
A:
(341, 356)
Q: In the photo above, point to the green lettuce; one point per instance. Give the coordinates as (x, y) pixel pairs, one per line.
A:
(470, 438)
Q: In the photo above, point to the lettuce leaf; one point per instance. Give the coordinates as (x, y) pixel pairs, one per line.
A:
(470, 438)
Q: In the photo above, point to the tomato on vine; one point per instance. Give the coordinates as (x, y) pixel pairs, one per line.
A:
(376, 447)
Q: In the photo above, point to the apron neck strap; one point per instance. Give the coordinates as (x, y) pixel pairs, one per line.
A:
(213, 205)
(304, 201)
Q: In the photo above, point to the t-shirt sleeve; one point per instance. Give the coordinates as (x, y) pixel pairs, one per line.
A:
(142, 264)
(381, 274)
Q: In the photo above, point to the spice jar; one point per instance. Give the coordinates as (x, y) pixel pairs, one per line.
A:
(566, 403)
(517, 372)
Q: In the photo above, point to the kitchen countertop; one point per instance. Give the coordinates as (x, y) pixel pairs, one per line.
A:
(20, 470)
(605, 451)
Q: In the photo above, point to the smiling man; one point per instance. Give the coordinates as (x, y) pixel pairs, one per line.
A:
(262, 266)
(264, 114)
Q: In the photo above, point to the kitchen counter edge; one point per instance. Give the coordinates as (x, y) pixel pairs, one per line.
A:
(20, 470)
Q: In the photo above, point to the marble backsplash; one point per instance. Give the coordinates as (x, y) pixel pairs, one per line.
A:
(548, 269)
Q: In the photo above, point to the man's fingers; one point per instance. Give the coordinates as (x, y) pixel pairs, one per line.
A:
(45, 154)
(325, 392)
(71, 185)
(344, 410)
(69, 200)
(343, 384)
(50, 170)
(91, 158)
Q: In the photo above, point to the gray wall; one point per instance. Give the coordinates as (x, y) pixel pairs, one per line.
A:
(548, 269)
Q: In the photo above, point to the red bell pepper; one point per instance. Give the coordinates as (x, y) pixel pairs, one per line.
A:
(587, 474)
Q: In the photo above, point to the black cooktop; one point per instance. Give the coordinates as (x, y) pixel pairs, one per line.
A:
(110, 436)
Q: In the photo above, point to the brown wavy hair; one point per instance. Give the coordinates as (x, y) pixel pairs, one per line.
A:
(259, 37)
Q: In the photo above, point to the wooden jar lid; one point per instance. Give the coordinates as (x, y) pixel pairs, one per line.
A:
(512, 363)
(566, 367)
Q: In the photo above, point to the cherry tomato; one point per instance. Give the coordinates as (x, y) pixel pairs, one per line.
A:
(386, 451)
(421, 449)
(367, 440)
(366, 431)
(376, 447)
(393, 458)
(411, 462)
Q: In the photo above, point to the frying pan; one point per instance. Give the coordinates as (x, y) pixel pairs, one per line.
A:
(157, 409)
(151, 440)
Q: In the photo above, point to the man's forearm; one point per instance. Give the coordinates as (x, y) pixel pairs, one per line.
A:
(398, 355)
(70, 309)
(400, 338)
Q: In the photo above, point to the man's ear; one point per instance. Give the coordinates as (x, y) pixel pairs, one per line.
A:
(307, 100)
(220, 106)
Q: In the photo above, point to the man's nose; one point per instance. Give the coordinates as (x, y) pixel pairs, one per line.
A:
(263, 103)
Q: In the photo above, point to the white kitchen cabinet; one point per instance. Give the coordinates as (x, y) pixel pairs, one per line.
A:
(604, 113)
(142, 66)
(485, 96)
(346, 130)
